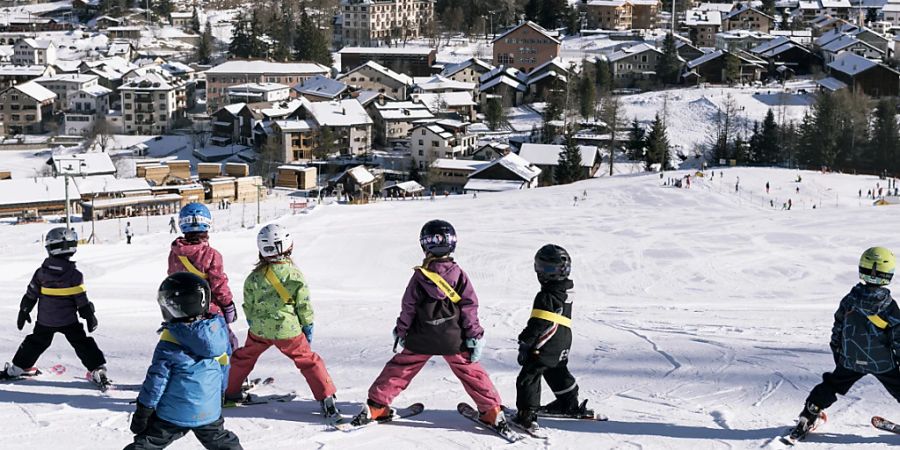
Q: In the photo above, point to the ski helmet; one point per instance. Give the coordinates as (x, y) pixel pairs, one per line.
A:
(552, 263)
(274, 240)
(438, 238)
(876, 266)
(183, 295)
(194, 217)
(61, 241)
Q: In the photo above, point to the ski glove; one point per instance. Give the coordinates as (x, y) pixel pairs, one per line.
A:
(308, 332)
(87, 313)
(475, 348)
(230, 312)
(398, 341)
(25, 307)
(525, 354)
(140, 420)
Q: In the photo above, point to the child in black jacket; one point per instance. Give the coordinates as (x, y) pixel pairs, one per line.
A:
(544, 343)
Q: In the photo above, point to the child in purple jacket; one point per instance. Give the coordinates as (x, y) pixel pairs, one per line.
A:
(438, 316)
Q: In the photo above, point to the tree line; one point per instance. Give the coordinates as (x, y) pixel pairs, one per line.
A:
(280, 35)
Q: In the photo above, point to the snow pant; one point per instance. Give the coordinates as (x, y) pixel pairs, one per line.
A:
(160, 434)
(404, 366)
(309, 362)
(841, 380)
(128, 239)
(40, 339)
(528, 384)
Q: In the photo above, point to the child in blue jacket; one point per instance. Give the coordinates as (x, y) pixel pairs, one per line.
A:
(184, 384)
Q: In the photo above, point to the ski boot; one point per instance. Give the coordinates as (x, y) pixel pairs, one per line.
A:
(98, 377)
(810, 418)
(12, 372)
(563, 406)
(495, 418)
(372, 412)
(330, 410)
(527, 420)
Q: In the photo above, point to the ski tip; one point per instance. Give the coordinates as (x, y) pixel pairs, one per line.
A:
(876, 420)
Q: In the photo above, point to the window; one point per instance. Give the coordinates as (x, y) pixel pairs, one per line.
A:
(14, 117)
(127, 116)
(421, 142)
(434, 143)
(127, 96)
(162, 96)
(421, 152)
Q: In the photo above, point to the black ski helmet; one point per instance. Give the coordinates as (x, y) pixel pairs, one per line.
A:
(183, 295)
(552, 263)
(438, 238)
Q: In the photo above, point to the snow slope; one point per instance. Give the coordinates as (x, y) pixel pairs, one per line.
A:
(702, 316)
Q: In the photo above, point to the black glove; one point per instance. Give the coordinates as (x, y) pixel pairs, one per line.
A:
(25, 307)
(525, 355)
(140, 420)
(87, 313)
(836, 354)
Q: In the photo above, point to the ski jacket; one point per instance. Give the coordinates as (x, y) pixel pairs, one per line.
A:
(429, 322)
(58, 288)
(551, 340)
(270, 316)
(208, 262)
(866, 331)
(187, 377)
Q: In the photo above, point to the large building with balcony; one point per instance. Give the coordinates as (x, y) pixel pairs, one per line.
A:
(369, 23)
(152, 103)
(26, 108)
(232, 73)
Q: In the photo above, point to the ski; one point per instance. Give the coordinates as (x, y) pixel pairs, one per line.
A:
(583, 414)
(396, 413)
(29, 373)
(103, 386)
(503, 430)
(796, 434)
(252, 399)
(254, 383)
(885, 425)
(534, 431)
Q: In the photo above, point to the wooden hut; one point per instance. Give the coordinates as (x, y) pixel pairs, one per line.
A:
(296, 177)
(208, 171)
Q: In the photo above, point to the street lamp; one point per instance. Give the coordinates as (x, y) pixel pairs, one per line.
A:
(69, 167)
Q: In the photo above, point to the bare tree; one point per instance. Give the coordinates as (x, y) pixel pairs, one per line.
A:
(724, 129)
(99, 134)
(612, 113)
(200, 134)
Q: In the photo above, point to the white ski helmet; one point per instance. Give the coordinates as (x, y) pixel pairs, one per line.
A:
(61, 241)
(274, 240)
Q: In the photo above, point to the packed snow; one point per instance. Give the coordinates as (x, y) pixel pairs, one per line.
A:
(701, 319)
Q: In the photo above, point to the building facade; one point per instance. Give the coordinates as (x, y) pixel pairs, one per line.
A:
(370, 23)
(231, 73)
(525, 47)
(151, 104)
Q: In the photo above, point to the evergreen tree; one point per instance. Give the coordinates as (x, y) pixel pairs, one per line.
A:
(284, 33)
(732, 69)
(604, 76)
(568, 169)
(552, 111)
(552, 13)
(768, 7)
(241, 45)
(668, 66)
(636, 141)
(162, 8)
(658, 145)
(205, 48)
(494, 113)
(259, 48)
(753, 153)
(883, 151)
(764, 142)
(310, 43)
(195, 20)
(586, 95)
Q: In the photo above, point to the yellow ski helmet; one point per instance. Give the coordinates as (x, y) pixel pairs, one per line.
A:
(876, 266)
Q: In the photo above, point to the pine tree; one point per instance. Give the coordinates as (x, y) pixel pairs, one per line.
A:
(568, 169)
(658, 145)
(533, 10)
(636, 143)
(284, 32)
(586, 95)
(668, 66)
(768, 151)
(732, 69)
(768, 7)
(883, 150)
(494, 113)
(604, 76)
(241, 45)
(310, 43)
(205, 48)
(258, 47)
(195, 20)
(552, 111)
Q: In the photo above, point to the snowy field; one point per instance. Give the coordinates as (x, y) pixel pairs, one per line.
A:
(702, 317)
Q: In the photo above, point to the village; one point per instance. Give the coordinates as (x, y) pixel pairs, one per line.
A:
(111, 109)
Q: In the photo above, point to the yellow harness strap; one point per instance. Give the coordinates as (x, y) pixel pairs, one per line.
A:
(62, 292)
(442, 284)
(552, 317)
(190, 267)
(878, 321)
(167, 337)
(279, 288)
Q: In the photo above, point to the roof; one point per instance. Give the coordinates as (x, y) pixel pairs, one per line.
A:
(295, 168)
(94, 163)
(696, 17)
(359, 174)
(338, 113)
(840, 43)
(367, 96)
(96, 90)
(742, 9)
(633, 50)
(234, 108)
(835, 3)
(410, 187)
(38, 43)
(133, 200)
(551, 73)
(99, 184)
(257, 87)
(832, 84)
(483, 185)
(35, 91)
(769, 45)
(458, 164)
(69, 77)
(851, 64)
(406, 111)
(387, 50)
(399, 77)
(20, 191)
(295, 125)
(534, 26)
(515, 164)
(705, 58)
(435, 102)
(505, 80)
(438, 82)
(321, 86)
(548, 154)
(260, 67)
(475, 63)
(154, 80)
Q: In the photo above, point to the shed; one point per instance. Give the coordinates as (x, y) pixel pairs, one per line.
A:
(42, 195)
(189, 193)
(249, 189)
(404, 189)
(510, 172)
(180, 169)
(296, 177)
(154, 173)
(208, 171)
(129, 206)
(237, 169)
(220, 188)
(356, 182)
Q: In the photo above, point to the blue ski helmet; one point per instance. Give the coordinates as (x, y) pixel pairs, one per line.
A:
(194, 217)
(438, 238)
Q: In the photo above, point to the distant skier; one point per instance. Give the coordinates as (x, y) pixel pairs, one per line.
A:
(172, 228)
(57, 289)
(438, 316)
(192, 253)
(767, 187)
(183, 388)
(545, 342)
(865, 339)
(790, 204)
(128, 233)
(279, 312)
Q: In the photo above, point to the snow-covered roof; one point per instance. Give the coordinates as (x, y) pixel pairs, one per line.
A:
(458, 164)
(406, 111)
(99, 184)
(505, 80)
(93, 163)
(831, 84)
(11, 70)
(438, 82)
(553, 64)
(155, 80)
(96, 90)
(851, 64)
(548, 74)
(366, 96)
(891, 7)
(360, 174)
(422, 51)
(295, 168)
(783, 48)
(705, 58)
(257, 87)
(741, 10)
(279, 109)
(515, 164)
(477, 64)
(68, 78)
(35, 91)
(840, 43)
(608, 3)
(633, 50)
(835, 3)
(234, 108)
(436, 102)
(38, 43)
(698, 17)
(399, 77)
(345, 112)
(19, 191)
(265, 67)
(484, 185)
(181, 15)
(769, 45)
(410, 187)
(721, 7)
(295, 125)
(548, 154)
(532, 25)
(321, 86)
(504, 71)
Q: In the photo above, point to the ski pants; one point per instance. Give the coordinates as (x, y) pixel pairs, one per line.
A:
(404, 366)
(528, 384)
(309, 362)
(40, 339)
(841, 380)
(160, 434)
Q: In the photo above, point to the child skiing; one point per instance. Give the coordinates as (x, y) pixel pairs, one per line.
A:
(278, 309)
(192, 253)
(438, 316)
(183, 388)
(865, 340)
(57, 288)
(545, 342)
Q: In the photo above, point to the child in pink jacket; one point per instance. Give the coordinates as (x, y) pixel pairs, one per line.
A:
(439, 316)
(192, 253)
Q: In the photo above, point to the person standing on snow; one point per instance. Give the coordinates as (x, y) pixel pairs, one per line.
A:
(279, 311)
(439, 316)
(172, 229)
(128, 233)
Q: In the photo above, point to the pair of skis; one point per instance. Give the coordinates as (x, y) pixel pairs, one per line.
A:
(250, 399)
(58, 369)
(878, 422)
